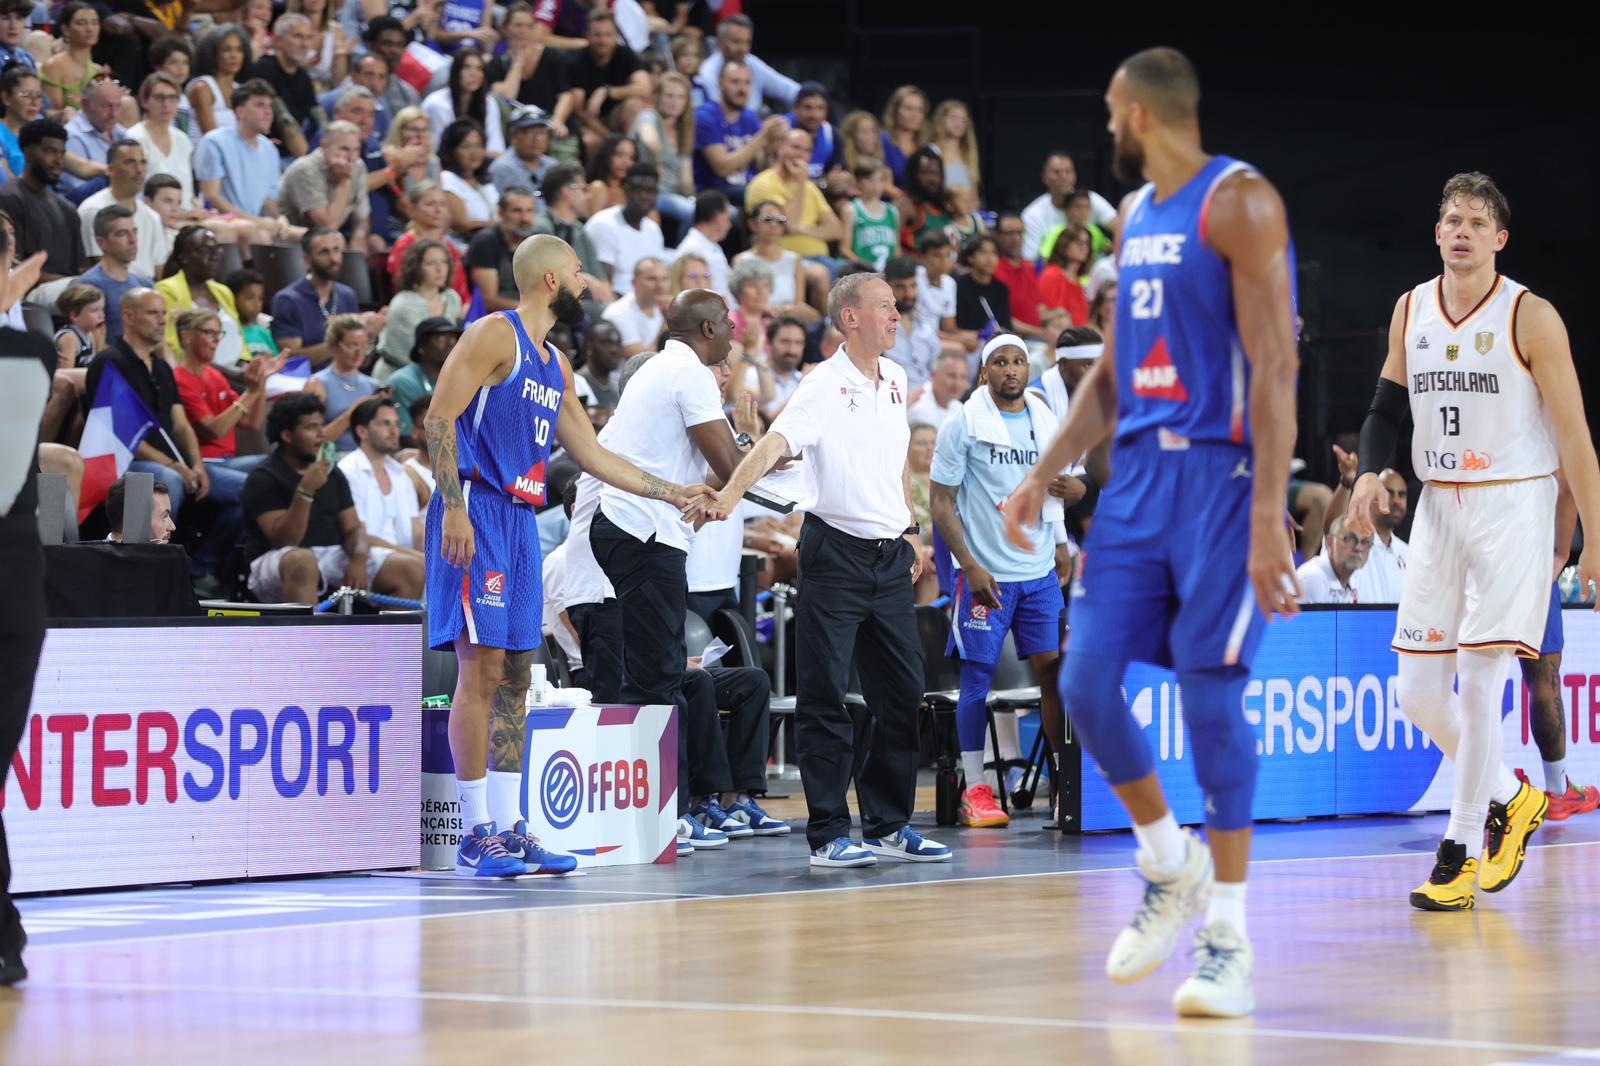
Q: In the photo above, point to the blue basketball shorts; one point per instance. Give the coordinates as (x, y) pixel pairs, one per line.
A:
(1163, 576)
(498, 598)
(1554, 636)
(1029, 610)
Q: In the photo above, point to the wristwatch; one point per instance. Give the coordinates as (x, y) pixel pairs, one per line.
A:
(744, 440)
(913, 530)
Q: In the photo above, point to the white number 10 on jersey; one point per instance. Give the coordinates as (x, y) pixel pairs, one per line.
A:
(1146, 298)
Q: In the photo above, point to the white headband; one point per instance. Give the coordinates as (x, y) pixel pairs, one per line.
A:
(1081, 352)
(1001, 340)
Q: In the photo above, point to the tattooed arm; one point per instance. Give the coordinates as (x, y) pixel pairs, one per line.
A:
(508, 714)
(576, 434)
(481, 357)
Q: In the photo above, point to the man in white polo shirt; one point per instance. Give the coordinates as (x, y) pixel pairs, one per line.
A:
(670, 418)
(858, 561)
(1325, 578)
(637, 315)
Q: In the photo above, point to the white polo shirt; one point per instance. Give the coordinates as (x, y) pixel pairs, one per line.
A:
(621, 245)
(631, 321)
(558, 580)
(926, 411)
(579, 578)
(853, 437)
(1383, 575)
(386, 515)
(650, 428)
(1319, 584)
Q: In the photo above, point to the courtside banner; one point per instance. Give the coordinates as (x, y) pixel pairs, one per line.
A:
(1330, 733)
(190, 753)
(601, 783)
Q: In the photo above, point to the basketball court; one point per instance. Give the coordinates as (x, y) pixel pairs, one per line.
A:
(749, 955)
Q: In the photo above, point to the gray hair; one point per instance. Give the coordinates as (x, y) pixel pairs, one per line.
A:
(847, 293)
(747, 271)
(631, 367)
(355, 92)
(287, 20)
(341, 128)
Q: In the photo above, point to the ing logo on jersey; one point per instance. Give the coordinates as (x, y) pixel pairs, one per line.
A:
(1471, 460)
(1157, 378)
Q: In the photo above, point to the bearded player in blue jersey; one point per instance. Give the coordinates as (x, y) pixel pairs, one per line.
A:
(503, 395)
(1197, 384)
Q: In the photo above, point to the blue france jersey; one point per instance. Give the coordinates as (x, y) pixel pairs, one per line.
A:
(503, 437)
(1181, 368)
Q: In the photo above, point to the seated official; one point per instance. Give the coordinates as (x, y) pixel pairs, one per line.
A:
(161, 523)
(384, 497)
(302, 535)
(1325, 578)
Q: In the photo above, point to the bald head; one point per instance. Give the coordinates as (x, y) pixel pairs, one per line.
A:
(537, 256)
(1165, 83)
(691, 309)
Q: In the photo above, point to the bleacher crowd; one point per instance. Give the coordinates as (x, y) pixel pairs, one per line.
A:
(274, 222)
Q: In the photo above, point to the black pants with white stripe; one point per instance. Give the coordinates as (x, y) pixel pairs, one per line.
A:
(856, 603)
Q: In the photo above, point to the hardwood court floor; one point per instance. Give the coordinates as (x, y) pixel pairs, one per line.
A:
(1005, 969)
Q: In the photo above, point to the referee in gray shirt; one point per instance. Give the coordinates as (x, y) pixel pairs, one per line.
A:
(858, 561)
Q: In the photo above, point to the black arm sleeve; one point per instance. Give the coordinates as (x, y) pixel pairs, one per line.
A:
(1390, 405)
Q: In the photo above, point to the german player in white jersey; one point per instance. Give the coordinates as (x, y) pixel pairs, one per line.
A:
(1485, 367)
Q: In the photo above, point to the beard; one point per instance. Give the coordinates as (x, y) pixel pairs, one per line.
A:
(1127, 161)
(905, 307)
(1009, 394)
(568, 310)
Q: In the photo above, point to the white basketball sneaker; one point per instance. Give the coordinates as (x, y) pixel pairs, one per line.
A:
(1220, 985)
(1170, 900)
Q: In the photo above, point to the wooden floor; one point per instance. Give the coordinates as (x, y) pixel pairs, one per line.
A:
(1004, 969)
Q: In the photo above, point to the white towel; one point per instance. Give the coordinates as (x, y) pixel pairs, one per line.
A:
(986, 425)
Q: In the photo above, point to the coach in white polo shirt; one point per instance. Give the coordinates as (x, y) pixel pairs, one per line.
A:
(669, 419)
(1326, 577)
(858, 560)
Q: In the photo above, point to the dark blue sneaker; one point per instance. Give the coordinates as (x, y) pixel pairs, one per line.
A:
(483, 854)
(520, 844)
(760, 822)
(908, 844)
(714, 816)
(842, 851)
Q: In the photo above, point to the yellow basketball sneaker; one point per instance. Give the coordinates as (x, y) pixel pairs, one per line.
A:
(1510, 825)
(1449, 887)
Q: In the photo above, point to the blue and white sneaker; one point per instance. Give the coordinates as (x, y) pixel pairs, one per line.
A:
(714, 816)
(483, 854)
(699, 836)
(761, 823)
(684, 848)
(520, 844)
(842, 851)
(906, 843)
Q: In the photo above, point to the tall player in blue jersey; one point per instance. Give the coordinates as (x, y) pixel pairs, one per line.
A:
(1198, 382)
(503, 395)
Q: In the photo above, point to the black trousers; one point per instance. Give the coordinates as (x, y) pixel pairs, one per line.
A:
(706, 604)
(599, 629)
(856, 603)
(22, 623)
(652, 588)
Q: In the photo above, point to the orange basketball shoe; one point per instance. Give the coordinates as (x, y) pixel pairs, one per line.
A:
(1574, 800)
(980, 810)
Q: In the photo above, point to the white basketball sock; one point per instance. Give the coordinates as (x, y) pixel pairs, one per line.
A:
(1555, 777)
(1482, 676)
(473, 796)
(1227, 904)
(1163, 841)
(972, 766)
(1010, 736)
(505, 798)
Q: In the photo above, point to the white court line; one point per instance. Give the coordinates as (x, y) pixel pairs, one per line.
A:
(677, 1006)
(700, 899)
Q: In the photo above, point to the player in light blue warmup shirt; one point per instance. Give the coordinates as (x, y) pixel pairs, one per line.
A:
(981, 456)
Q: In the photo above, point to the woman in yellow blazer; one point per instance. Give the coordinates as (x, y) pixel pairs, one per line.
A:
(188, 281)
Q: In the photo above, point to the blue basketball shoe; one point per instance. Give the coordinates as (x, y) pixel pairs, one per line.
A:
(520, 844)
(483, 854)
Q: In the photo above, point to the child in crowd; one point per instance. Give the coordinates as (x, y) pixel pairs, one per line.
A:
(871, 226)
(84, 308)
(1080, 212)
(965, 222)
(249, 293)
(165, 197)
(936, 290)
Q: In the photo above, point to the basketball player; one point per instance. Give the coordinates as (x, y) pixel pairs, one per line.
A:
(1543, 678)
(27, 362)
(502, 394)
(1495, 403)
(1198, 383)
(981, 455)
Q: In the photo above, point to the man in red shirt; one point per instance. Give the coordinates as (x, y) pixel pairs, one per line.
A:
(215, 410)
(1019, 277)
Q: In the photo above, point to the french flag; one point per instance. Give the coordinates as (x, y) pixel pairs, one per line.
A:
(292, 378)
(117, 423)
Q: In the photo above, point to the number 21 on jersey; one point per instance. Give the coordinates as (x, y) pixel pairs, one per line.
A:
(1146, 295)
